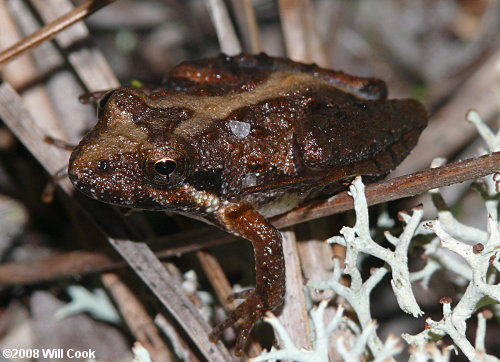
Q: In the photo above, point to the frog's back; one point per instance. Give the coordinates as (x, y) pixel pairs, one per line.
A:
(270, 123)
(225, 75)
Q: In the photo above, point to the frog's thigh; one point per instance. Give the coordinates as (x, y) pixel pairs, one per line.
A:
(242, 219)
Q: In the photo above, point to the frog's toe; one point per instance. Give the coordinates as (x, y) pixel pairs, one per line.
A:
(249, 312)
(244, 294)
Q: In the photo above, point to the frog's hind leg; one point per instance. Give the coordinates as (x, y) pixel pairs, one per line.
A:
(243, 220)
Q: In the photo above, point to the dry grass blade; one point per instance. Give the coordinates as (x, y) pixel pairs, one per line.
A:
(51, 30)
(228, 41)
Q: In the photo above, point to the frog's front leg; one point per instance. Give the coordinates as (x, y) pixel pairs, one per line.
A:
(243, 220)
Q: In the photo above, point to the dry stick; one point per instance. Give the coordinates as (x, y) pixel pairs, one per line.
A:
(293, 30)
(36, 271)
(217, 278)
(297, 34)
(247, 24)
(316, 259)
(15, 21)
(294, 315)
(160, 281)
(397, 188)
(330, 16)
(183, 350)
(253, 28)
(138, 255)
(189, 241)
(137, 318)
(228, 41)
(222, 288)
(51, 30)
(313, 38)
(87, 62)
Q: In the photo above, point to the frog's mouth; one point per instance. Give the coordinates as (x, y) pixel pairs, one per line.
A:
(124, 187)
(87, 181)
(114, 178)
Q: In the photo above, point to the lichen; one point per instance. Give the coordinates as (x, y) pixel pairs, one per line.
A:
(478, 275)
(349, 351)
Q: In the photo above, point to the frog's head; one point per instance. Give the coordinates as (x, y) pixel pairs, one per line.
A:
(129, 158)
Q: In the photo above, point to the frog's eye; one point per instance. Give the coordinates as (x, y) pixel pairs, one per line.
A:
(166, 167)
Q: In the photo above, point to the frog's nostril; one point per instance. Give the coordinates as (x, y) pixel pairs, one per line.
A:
(103, 165)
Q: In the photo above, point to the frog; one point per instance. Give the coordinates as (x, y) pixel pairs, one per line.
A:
(236, 140)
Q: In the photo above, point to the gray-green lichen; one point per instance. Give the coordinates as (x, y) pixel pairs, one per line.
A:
(478, 274)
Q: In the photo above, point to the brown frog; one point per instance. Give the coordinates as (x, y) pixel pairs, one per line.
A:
(236, 140)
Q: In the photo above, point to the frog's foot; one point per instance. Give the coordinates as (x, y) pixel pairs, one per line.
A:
(249, 312)
(243, 220)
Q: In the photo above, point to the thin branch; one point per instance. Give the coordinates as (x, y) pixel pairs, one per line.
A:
(228, 40)
(247, 25)
(52, 267)
(215, 274)
(147, 266)
(293, 30)
(217, 278)
(189, 241)
(397, 188)
(49, 31)
(447, 133)
(294, 314)
(137, 318)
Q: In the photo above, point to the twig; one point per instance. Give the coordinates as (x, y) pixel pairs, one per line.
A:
(222, 288)
(136, 317)
(51, 30)
(217, 278)
(293, 30)
(294, 315)
(62, 265)
(316, 261)
(169, 293)
(87, 62)
(15, 21)
(313, 37)
(397, 188)
(228, 41)
(247, 24)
